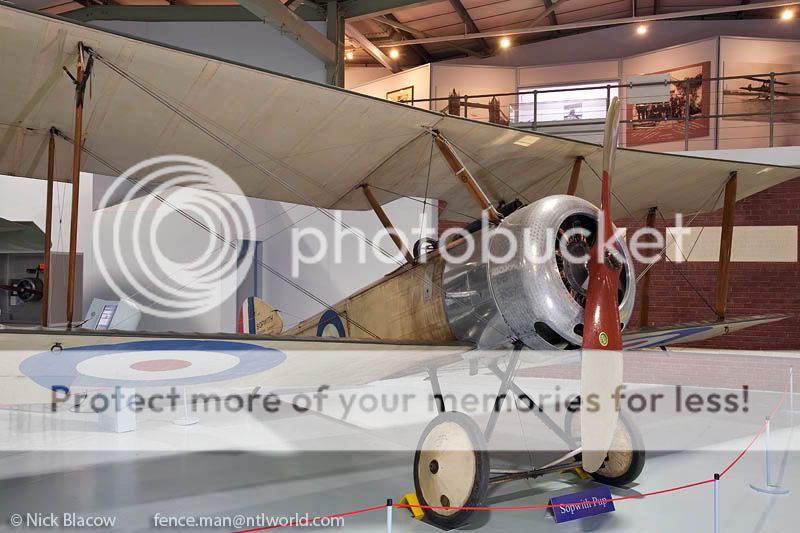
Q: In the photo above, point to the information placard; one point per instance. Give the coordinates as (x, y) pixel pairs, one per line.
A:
(582, 504)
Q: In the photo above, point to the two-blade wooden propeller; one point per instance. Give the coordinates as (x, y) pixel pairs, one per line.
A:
(601, 365)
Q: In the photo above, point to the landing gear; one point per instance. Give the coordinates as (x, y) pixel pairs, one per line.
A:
(451, 468)
(452, 463)
(626, 456)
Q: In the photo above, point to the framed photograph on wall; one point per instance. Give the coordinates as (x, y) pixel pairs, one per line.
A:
(663, 118)
(404, 95)
(752, 93)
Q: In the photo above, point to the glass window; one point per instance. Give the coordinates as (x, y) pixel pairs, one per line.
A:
(566, 102)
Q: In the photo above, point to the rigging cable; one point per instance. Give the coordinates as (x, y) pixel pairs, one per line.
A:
(666, 245)
(487, 169)
(425, 200)
(221, 238)
(685, 278)
(177, 110)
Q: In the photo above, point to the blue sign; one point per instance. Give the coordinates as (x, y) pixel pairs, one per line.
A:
(582, 504)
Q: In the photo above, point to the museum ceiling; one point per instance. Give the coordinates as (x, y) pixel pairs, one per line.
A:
(374, 28)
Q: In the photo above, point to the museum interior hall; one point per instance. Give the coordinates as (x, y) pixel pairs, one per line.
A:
(400, 265)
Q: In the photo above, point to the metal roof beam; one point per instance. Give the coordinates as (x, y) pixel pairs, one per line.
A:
(291, 25)
(334, 71)
(596, 23)
(359, 9)
(391, 20)
(370, 48)
(740, 14)
(179, 13)
(469, 23)
(418, 49)
(550, 9)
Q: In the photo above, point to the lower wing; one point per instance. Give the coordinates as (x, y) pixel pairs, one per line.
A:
(636, 339)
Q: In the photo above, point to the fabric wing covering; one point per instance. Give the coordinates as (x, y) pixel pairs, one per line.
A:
(298, 141)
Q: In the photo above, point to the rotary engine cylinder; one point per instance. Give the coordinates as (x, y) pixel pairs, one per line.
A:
(531, 285)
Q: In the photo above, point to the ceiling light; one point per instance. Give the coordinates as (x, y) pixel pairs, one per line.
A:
(641, 29)
(505, 42)
(787, 14)
(348, 55)
(394, 53)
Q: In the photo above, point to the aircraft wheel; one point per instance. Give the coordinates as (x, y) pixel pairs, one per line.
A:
(625, 459)
(451, 468)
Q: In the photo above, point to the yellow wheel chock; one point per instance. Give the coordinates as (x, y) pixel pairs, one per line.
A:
(411, 499)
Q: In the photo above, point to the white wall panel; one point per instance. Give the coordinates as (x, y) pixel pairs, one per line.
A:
(252, 43)
(419, 78)
(355, 76)
(569, 73)
(472, 80)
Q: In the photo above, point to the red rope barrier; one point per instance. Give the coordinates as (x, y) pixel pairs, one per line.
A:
(757, 435)
(547, 506)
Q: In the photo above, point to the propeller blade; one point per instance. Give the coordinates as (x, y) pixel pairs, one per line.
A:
(601, 363)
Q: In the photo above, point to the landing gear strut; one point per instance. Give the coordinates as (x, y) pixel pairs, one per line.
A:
(452, 462)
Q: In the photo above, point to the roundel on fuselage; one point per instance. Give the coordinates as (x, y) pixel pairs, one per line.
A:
(330, 325)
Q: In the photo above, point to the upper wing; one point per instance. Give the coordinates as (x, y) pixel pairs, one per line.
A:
(636, 339)
(299, 141)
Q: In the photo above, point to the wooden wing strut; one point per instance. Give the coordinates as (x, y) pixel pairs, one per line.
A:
(466, 177)
(376, 206)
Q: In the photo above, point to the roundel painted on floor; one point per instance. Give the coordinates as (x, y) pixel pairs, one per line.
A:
(330, 325)
(149, 363)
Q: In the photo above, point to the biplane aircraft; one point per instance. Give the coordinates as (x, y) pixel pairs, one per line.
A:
(291, 140)
(763, 91)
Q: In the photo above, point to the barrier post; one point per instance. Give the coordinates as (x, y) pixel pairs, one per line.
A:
(389, 508)
(769, 488)
(716, 503)
(791, 389)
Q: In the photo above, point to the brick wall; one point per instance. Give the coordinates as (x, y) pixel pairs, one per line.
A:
(755, 288)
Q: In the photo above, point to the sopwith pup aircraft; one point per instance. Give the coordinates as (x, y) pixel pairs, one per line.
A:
(280, 138)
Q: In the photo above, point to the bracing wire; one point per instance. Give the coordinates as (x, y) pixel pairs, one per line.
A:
(183, 114)
(683, 275)
(666, 245)
(222, 239)
(487, 169)
(427, 185)
(616, 197)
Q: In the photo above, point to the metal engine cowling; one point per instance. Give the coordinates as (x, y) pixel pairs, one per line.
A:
(540, 301)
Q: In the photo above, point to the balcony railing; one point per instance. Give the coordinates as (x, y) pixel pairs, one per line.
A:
(754, 110)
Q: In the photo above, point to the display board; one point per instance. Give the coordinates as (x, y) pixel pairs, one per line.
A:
(663, 120)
